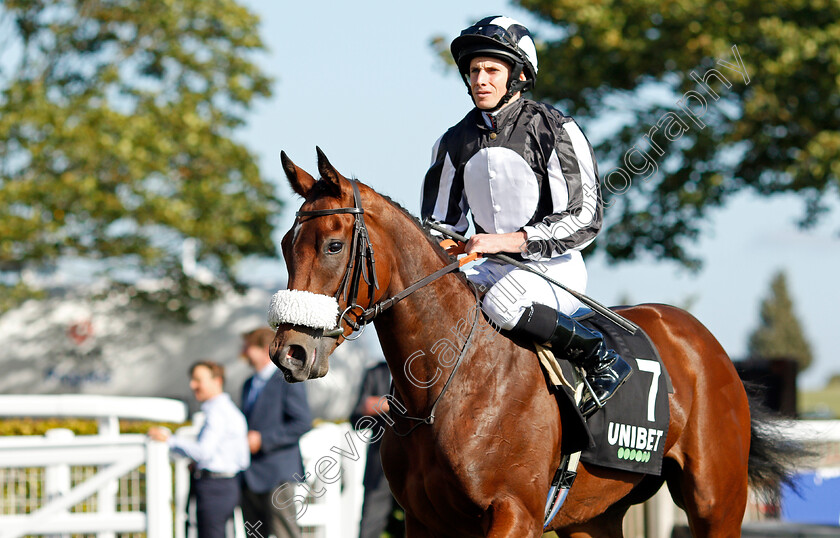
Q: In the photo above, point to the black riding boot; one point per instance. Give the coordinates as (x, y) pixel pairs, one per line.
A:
(605, 369)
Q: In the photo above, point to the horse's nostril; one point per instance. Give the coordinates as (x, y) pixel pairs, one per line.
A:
(296, 357)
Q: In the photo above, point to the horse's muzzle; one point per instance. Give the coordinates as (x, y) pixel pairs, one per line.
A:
(301, 353)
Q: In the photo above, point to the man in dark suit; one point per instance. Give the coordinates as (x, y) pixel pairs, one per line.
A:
(379, 504)
(278, 415)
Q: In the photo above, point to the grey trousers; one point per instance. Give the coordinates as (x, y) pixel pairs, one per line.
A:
(269, 513)
(377, 507)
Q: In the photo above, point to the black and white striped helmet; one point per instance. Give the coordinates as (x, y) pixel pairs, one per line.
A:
(503, 38)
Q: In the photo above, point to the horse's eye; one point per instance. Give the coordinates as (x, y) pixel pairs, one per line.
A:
(334, 247)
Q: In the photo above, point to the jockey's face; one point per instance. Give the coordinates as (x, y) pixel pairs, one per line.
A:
(488, 81)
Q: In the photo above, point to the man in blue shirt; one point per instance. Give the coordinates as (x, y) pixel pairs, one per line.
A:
(220, 452)
(278, 415)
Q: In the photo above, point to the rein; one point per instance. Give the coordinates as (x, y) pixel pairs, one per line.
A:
(622, 322)
(430, 418)
(361, 264)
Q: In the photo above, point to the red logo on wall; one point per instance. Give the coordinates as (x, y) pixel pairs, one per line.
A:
(80, 331)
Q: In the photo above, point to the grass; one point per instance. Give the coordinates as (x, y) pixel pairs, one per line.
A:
(823, 403)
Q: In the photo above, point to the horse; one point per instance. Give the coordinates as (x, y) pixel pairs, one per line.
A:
(481, 461)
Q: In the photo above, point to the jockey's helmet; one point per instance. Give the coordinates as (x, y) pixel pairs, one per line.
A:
(502, 38)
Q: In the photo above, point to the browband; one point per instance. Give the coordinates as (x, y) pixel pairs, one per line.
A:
(323, 212)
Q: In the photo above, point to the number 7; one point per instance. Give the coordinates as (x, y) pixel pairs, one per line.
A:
(653, 367)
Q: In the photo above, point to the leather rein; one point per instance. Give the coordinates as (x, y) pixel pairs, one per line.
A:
(361, 264)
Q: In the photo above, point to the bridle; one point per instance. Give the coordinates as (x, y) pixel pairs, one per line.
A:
(361, 264)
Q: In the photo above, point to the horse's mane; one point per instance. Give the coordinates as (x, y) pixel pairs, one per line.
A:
(322, 188)
(434, 241)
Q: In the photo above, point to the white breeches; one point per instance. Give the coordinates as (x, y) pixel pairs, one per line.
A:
(512, 290)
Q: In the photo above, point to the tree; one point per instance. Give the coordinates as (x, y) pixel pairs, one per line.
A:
(779, 334)
(116, 136)
(713, 98)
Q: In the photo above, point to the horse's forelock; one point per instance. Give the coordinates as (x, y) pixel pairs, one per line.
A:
(323, 189)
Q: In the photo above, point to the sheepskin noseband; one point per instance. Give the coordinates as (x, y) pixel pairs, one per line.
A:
(298, 307)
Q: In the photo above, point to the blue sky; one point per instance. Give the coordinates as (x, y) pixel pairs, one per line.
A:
(360, 80)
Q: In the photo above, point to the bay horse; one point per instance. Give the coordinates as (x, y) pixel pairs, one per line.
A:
(483, 464)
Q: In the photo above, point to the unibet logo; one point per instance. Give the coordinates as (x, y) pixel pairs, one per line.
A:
(631, 454)
(635, 442)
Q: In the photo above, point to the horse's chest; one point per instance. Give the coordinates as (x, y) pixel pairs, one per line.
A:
(452, 473)
(437, 487)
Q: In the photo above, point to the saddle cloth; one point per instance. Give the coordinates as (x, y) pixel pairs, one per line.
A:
(629, 433)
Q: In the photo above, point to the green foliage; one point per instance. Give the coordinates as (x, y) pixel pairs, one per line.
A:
(116, 135)
(440, 45)
(29, 426)
(632, 61)
(13, 295)
(779, 334)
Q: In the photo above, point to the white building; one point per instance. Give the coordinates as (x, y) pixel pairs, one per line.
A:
(74, 342)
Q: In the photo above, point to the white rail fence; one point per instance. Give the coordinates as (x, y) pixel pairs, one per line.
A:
(334, 459)
(61, 484)
(113, 459)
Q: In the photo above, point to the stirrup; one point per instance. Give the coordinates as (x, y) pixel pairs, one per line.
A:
(598, 403)
(622, 370)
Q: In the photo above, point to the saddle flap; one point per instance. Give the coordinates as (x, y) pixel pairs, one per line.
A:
(629, 432)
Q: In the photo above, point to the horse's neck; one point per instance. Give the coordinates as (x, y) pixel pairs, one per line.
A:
(423, 334)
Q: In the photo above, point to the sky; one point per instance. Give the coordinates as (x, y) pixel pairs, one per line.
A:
(361, 81)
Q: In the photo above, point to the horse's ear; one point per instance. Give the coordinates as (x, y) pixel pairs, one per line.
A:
(328, 171)
(300, 181)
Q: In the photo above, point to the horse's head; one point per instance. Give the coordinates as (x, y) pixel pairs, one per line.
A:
(330, 262)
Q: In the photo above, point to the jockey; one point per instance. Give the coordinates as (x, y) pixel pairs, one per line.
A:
(528, 175)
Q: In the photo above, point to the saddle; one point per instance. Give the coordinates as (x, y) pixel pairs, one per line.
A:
(629, 432)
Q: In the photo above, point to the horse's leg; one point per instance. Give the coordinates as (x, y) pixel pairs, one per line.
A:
(607, 525)
(716, 449)
(510, 519)
(712, 451)
(714, 494)
(592, 530)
